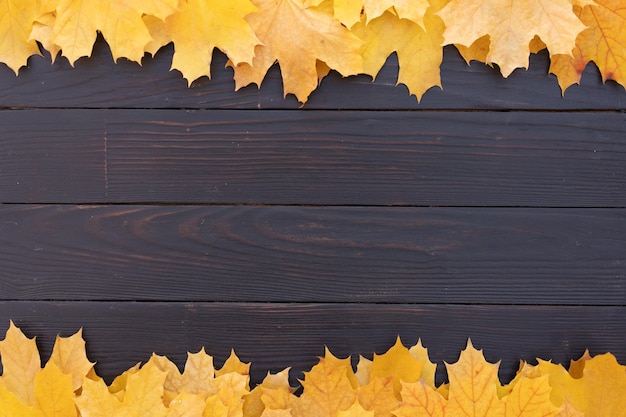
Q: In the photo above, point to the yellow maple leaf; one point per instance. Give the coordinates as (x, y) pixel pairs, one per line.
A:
(142, 396)
(565, 388)
(16, 18)
(603, 42)
(233, 364)
(70, 356)
(604, 384)
(511, 25)
(11, 406)
(54, 392)
(297, 37)
(119, 21)
(429, 368)
(419, 52)
(397, 363)
(328, 388)
(355, 410)
(20, 363)
(530, 397)
(473, 386)
(186, 405)
(420, 399)
(378, 395)
(200, 26)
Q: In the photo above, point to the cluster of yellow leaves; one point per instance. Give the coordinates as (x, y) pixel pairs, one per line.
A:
(308, 38)
(398, 383)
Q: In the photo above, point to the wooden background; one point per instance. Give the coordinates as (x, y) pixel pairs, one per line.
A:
(165, 218)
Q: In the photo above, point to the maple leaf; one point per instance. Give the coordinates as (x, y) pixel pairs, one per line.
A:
(420, 399)
(603, 42)
(69, 355)
(142, 397)
(419, 51)
(379, 396)
(511, 25)
(355, 410)
(604, 384)
(473, 386)
(16, 19)
(54, 392)
(297, 37)
(120, 22)
(397, 363)
(530, 397)
(329, 387)
(200, 26)
(20, 363)
(429, 368)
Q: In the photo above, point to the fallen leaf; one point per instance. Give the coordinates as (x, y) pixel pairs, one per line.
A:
(511, 26)
(297, 37)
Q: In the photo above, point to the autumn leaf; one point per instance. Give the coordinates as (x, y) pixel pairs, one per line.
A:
(329, 387)
(142, 397)
(20, 363)
(419, 399)
(199, 27)
(419, 51)
(603, 42)
(511, 26)
(473, 386)
(16, 21)
(70, 357)
(54, 393)
(604, 384)
(120, 22)
(397, 363)
(297, 37)
(530, 397)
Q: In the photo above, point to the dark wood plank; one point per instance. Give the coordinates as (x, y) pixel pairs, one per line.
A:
(341, 254)
(313, 157)
(52, 156)
(275, 336)
(98, 82)
(381, 158)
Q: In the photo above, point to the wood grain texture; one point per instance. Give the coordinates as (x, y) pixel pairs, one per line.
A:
(52, 156)
(98, 82)
(300, 254)
(275, 336)
(313, 157)
(364, 158)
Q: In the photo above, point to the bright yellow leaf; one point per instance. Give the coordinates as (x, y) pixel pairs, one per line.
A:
(420, 399)
(297, 37)
(429, 368)
(186, 405)
(54, 392)
(378, 395)
(328, 388)
(511, 25)
(119, 21)
(604, 384)
(233, 364)
(16, 19)
(355, 410)
(530, 397)
(96, 400)
(419, 52)
(20, 363)
(473, 386)
(564, 387)
(413, 10)
(11, 406)
(363, 370)
(603, 42)
(397, 363)
(198, 28)
(70, 356)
